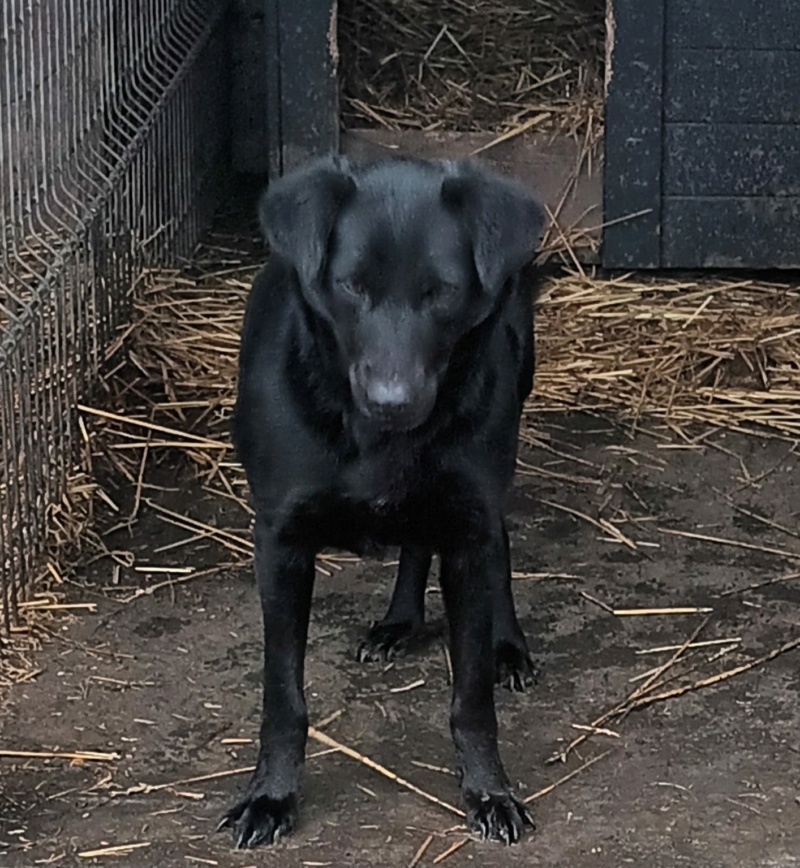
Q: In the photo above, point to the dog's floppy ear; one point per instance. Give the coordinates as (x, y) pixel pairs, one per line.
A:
(504, 221)
(298, 211)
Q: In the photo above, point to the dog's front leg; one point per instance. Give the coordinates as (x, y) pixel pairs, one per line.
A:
(285, 576)
(492, 808)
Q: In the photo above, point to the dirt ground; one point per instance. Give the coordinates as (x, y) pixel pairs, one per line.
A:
(710, 779)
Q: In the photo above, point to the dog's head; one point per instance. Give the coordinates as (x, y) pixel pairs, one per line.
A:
(401, 258)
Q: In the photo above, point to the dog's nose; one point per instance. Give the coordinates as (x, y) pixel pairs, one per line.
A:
(395, 397)
(391, 395)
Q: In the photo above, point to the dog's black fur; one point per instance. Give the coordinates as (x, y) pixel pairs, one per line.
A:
(386, 352)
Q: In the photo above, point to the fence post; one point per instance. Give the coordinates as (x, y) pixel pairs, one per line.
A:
(285, 101)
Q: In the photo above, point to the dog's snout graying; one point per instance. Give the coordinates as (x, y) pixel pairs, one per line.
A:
(392, 393)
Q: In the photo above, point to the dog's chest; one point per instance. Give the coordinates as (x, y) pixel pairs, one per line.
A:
(383, 481)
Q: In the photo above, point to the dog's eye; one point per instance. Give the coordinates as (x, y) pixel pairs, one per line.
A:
(449, 291)
(351, 288)
(441, 295)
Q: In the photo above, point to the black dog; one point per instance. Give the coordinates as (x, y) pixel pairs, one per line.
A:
(386, 352)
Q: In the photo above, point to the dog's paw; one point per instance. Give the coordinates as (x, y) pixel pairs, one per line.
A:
(260, 820)
(513, 667)
(386, 641)
(497, 816)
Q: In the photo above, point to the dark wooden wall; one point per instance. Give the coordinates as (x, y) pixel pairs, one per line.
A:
(703, 129)
(732, 132)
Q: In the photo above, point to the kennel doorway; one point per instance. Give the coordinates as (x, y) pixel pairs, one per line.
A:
(659, 134)
(516, 82)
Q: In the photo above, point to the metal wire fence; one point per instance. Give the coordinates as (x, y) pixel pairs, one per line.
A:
(113, 138)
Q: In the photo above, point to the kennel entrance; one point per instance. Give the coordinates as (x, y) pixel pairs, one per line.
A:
(660, 134)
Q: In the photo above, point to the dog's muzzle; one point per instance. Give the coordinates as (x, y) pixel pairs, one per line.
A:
(393, 402)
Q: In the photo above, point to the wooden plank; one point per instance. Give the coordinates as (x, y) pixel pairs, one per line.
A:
(731, 233)
(309, 89)
(732, 86)
(272, 64)
(733, 23)
(731, 160)
(250, 81)
(545, 165)
(633, 135)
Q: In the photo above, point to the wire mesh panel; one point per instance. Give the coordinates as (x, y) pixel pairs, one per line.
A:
(113, 133)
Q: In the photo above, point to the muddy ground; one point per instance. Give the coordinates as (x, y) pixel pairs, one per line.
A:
(710, 779)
